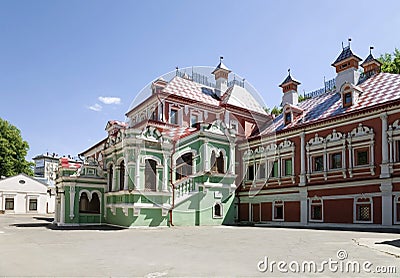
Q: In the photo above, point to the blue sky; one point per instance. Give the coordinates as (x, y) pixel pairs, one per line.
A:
(57, 58)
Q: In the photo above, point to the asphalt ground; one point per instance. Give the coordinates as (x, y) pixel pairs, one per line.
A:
(31, 246)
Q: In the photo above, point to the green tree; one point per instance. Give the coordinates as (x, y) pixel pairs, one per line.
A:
(390, 62)
(13, 150)
(276, 111)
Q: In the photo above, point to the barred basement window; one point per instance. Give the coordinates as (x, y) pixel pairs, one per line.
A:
(364, 209)
(33, 204)
(278, 210)
(316, 210)
(397, 208)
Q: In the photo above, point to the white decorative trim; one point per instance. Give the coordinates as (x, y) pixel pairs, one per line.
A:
(310, 204)
(71, 202)
(278, 203)
(356, 202)
(221, 210)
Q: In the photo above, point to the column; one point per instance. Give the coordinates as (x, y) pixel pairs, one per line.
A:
(71, 202)
(116, 178)
(387, 211)
(165, 175)
(137, 173)
(206, 157)
(126, 178)
(303, 205)
(232, 159)
(131, 174)
(385, 152)
(302, 159)
(62, 210)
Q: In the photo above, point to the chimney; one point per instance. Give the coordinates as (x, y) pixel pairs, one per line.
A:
(346, 67)
(158, 85)
(371, 65)
(289, 89)
(221, 73)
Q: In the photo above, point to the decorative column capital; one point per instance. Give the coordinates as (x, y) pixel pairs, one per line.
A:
(383, 116)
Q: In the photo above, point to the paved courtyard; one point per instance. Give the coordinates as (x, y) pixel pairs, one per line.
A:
(29, 246)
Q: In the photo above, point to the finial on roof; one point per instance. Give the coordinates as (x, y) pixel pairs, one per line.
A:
(176, 70)
(342, 46)
(370, 49)
(288, 71)
(349, 40)
(221, 58)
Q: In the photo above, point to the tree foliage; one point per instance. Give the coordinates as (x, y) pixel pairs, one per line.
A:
(390, 62)
(13, 150)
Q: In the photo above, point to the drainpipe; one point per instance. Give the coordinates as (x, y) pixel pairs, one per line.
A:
(172, 184)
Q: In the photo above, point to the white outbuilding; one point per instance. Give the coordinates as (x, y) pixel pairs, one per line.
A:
(23, 194)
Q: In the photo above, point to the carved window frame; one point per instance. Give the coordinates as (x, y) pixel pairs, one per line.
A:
(361, 137)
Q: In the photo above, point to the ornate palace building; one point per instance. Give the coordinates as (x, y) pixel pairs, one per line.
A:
(194, 152)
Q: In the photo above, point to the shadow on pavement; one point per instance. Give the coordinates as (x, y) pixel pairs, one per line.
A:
(48, 219)
(395, 242)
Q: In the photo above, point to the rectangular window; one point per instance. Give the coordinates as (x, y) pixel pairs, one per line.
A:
(336, 160)
(194, 119)
(278, 211)
(261, 171)
(250, 172)
(274, 172)
(287, 163)
(364, 212)
(288, 118)
(318, 163)
(33, 204)
(347, 99)
(316, 211)
(362, 157)
(9, 204)
(173, 117)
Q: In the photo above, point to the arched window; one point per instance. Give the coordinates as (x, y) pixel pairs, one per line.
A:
(217, 210)
(84, 203)
(110, 178)
(184, 166)
(121, 175)
(94, 204)
(217, 163)
(220, 163)
(150, 172)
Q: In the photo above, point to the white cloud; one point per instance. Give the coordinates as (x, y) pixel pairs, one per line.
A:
(110, 100)
(97, 107)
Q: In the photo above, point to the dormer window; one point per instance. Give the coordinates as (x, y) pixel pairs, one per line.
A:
(347, 100)
(288, 118)
(173, 117)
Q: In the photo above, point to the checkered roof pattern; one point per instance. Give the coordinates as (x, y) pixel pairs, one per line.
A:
(178, 132)
(380, 88)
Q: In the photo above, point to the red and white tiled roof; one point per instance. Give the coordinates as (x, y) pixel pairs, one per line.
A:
(378, 89)
(178, 132)
(66, 164)
(195, 91)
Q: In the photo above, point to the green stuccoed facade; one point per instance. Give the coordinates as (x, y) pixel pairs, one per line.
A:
(153, 180)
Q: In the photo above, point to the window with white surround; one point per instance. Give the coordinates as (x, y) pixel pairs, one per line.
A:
(217, 210)
(325, 155)
(274, 162)
(363, 210)
(361, 149)
(316, 209)
(173, 116)
(394, 144)
(397, 210)
(9, 204)
(33, 204)
(278, 211)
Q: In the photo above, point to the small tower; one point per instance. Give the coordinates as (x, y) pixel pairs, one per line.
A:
(221, 73)
(289, 89)
(346, 67)
(371, 65)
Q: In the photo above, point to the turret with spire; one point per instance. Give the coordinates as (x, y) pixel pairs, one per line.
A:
(289, 89)
(371, 65)
(221, 73)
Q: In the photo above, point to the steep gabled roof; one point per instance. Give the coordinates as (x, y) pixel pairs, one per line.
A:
(221, 66)
(240, 97)
(289, 79)
(369, 59)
